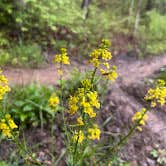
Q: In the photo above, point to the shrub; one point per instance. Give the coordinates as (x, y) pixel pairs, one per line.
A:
(29, 105)
(154, 33)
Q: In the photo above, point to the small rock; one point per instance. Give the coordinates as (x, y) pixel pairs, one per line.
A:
(148, 148)
(150, 162)
(134, 163)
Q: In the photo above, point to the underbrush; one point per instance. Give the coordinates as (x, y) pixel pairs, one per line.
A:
(152, 34)
(20, 55)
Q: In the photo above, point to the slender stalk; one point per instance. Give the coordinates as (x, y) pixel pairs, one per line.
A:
(93, 75)
(21, 147)
(126, 137)
(61, 101)
(52, 139)
(41, 119)
(75, 150)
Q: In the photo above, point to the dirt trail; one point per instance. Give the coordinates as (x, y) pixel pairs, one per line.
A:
(45, 75)
(129, 69)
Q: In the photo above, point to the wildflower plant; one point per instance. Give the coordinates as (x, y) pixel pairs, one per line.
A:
(84, 105)
(6, 122)
(157, 94)
(157, 97)
(8, 128)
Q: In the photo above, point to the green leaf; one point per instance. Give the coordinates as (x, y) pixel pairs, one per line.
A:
(19, 103)
(28, 108)
(2, 163)
(154, 153)
(23, 117)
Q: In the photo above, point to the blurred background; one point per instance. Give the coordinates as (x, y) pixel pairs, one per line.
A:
(31, 30)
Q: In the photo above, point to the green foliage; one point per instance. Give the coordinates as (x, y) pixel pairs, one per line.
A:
(29, 104)
(26, 55)
(154, 33)
(58, 23)
(118, 161)
(2, 163)
(162, 74)
(159, 154)
(4, 57)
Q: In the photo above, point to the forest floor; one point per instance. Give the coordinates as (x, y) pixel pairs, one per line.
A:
(123, 99)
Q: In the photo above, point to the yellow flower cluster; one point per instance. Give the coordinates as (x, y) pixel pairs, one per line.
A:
(93, 134)
(4, 88)
(100, 58)
(140, 117)
(78, 136)
(85, 99)
(101, 54)
(7, 125)
(62, 58)
(157, 95)
(110, 74)
(80, 121)
(53, 101)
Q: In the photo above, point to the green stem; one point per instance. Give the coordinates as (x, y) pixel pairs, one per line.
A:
(21, 147)
(75, 150)
(61, 102)
(52, 139)
(126, 137)
(93, 75)
(41, 119)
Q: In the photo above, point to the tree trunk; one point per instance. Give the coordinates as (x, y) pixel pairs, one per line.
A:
(84, 6)
(137, 19)
(131, 8)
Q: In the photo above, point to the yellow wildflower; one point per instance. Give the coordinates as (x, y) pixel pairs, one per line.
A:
(53, 100)
(140, 117)
(93, 99)
(72, 103)
(94, 133)
(95, 62)
(80, 121)
(4, 88)
(86, 84)
(7, 125)
(106, 55)
(110, 74)
(157, 95)
(105, 43)
(62, 58)
(78, 136)
(106, 64)
(95, 53)
(89, 111)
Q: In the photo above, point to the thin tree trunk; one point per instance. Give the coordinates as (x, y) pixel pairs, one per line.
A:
(131, 8)
(84, 6)
(130, 12)
(137, 19)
